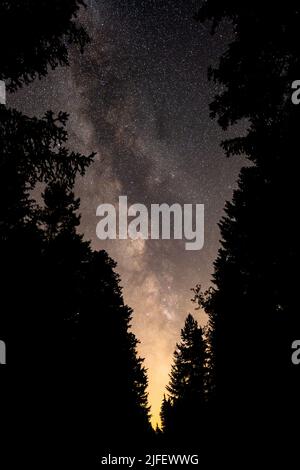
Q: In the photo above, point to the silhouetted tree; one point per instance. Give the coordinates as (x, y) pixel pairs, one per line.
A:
(113, 379)
(184, 412)
(166, 414)
(253, 304)
(32, 151)
(69, 311)
(35, 36)
(65, 323)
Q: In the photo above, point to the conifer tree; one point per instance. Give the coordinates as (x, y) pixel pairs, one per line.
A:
(253, 303)
(35, 36)
(65, 324)
(166, 415)
(183, 413)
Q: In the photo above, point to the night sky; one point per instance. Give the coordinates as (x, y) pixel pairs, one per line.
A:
(139, 97)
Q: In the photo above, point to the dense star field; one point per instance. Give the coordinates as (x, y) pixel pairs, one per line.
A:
(139, 97)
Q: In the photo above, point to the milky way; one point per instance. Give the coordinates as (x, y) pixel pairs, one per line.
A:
(139, 97)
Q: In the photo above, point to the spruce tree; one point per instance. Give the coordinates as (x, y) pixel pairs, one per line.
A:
(35, 36)
(253, 303)
(81, 385)
(166, 415)
(184, 411)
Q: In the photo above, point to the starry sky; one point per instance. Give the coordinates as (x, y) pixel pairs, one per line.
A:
(139, 97)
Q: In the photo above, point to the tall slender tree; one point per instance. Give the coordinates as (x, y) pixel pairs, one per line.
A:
(184, 412)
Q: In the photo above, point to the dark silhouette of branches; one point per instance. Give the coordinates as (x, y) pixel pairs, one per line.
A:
(35, 36)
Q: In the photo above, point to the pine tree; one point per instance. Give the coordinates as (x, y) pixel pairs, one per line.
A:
(253, 303)
(65, 322)
(112, 372)
(166, 415)
(35, 36)
(184, 411)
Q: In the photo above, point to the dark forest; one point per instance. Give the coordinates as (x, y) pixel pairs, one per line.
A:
(75, 386)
